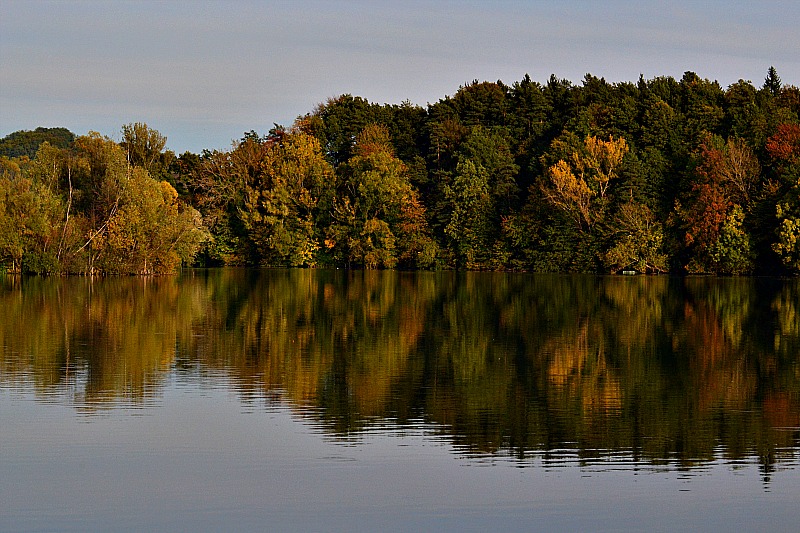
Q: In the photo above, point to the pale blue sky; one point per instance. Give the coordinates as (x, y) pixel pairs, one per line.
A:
(204, 72)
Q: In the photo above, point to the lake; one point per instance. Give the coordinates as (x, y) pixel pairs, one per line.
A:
(331, 400)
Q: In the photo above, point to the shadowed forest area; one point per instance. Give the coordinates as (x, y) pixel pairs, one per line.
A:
(660, 175)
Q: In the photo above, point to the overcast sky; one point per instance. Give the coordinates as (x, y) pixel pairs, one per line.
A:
(204, 72)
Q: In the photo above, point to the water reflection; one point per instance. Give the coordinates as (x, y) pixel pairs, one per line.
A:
(657, 371)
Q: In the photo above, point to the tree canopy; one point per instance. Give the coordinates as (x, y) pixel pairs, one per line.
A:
(661, 175)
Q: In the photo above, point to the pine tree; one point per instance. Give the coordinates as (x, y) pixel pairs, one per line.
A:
(772, 82)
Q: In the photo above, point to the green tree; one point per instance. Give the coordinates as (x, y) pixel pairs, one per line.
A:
(489, 148)
(217, 187)
(716, 236)
(732, 252)
(29, 233)
(144, 147)
(470, 229)
(100, 182)
(788, 231)
(281, 211)
(783, 149)
(772, 82)
(27, 143)
(374, 199)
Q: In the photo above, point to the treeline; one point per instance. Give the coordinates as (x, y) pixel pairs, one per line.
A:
(94, 207)
(660, 175)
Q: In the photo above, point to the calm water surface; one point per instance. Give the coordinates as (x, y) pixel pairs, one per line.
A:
(309, 400)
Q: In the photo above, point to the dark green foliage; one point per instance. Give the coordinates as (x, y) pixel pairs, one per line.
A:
(26, 143)
(772, 82)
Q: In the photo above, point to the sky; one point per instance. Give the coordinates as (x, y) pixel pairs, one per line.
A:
(204, 72)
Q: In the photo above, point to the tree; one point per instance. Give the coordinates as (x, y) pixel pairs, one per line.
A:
(281, 211)
(416, 248)
(470, 229)
(571, 194)
(151, 232)
(788, 231)
(784, 146)
(29, 229)
(740, 170)
(144, 147)
(53, 168)
(602, 160)
(573, 186)
(481, 104)
(638, 241)
(373, 193)
(732, 252)
(772, 82)
(142, 144)
(217, 187)
(27, 143)
(100, 183)
(489, 148)
(715, 235)
(338, 122)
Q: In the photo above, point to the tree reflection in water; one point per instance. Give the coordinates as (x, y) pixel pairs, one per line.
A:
(666, 370)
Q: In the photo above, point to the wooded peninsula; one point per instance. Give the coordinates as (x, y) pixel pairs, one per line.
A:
(657, 176)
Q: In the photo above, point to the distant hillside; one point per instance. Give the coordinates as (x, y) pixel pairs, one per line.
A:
(25, 142)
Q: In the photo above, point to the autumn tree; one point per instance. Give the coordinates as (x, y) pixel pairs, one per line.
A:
(740, 171)
(151, 232)
(715, 234)
(143, 145)
(580, 187)
(571, 194)
(217, 188)
(788, 231)
(374, 200)
(29, 234)
(784, 150)
(281, 210)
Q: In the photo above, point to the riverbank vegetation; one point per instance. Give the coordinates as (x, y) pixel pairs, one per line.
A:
(659, 175)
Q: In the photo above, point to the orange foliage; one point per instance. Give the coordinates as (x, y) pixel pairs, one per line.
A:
(785, 144)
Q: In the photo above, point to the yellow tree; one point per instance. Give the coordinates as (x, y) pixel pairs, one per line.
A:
(100, 182)
(570, 193)
(600, 161)
(573, 187)
(144, 147)
(151, 232)
(638, 241)
(29, 225)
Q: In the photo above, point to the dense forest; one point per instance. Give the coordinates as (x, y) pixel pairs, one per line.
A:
(661, 175)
